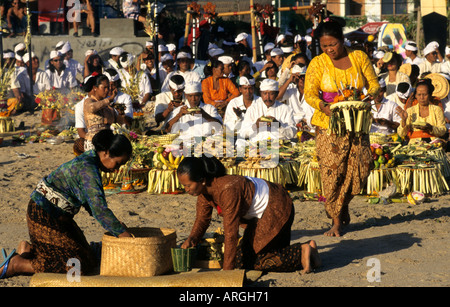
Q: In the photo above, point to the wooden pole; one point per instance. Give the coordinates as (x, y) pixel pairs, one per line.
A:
(252, 17)
(188, 25)
(281, 9)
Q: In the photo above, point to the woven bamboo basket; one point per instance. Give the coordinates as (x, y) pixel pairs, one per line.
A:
(146, 254)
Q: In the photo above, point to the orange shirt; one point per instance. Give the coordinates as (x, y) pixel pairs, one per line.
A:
(226, 91)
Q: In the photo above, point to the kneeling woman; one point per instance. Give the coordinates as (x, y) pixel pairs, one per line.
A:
(54, 235)
(264, 207)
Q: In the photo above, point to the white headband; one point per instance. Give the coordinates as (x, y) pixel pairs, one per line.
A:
(244, 81)
(175, 86)
(404, 95)
(269, 85)
(411, 46)
(111, 78)
(193, 88)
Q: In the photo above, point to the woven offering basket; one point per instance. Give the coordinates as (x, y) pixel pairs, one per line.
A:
(146, 254)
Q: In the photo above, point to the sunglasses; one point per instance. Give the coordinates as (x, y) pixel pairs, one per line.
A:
(57, 60)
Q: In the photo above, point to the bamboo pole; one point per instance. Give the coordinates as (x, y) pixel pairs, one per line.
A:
(252, 17)
(188, 24)
(281, 9)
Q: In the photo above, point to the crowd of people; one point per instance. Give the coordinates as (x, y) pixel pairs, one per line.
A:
(288, 89)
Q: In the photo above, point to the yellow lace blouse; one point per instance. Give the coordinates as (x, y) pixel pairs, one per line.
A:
(323, 77)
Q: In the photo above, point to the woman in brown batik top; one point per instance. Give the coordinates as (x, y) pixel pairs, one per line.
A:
(264, 208)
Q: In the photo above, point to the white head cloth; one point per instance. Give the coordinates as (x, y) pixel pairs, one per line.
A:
(269, 85)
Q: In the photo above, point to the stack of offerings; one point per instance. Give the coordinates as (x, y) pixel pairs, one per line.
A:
(350, 113)
(308, 172)
(162, 178)
(275, 164)
(423, 167)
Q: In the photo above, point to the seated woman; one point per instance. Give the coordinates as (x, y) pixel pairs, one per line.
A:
(92, 63)
(263, 208)
(217, 89)
(393, 76)
(98, 111)
(54, 235)
(423, 121)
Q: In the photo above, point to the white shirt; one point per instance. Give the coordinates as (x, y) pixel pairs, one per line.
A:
(189, 76)
(302, 110)
(435, 67)
(42, 82)
(386, 111)
(79, 114)
(281, 112)
(144, 82)
(190, 126)
(162, 102)
(417, 60)
(125, 99)
(64, 81)
(113, 64)
(74, 67)
(232, 122)
(260, 199)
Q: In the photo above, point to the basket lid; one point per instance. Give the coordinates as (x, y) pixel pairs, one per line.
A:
(441, 85)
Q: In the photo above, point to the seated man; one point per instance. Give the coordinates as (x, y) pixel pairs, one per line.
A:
(131, 10)
(184, 61)
(195, 119)
(402, 93)
(17, 18)
(267, 117)
(385, 117)
(238, 106)
(166, 102)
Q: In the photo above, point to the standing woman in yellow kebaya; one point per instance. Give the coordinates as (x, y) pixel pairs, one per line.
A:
(344, 160)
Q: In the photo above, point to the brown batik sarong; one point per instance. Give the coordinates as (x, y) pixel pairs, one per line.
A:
(345, 163)
(56, 240)
(278, 256)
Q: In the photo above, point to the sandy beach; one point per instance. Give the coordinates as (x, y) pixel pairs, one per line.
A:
(410, 244)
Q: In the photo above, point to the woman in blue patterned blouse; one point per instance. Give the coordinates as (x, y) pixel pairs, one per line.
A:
(55, 237)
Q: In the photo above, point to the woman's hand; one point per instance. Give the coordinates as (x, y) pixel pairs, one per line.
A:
(325, 108)
(113, 95)
(125, 234)
(188, 243)
(402, 113)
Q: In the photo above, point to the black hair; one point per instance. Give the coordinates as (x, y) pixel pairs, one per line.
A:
(273, 66)
(403, 87)
(201, 168)
(208, 70)
(112, 72)
(428, 84)
(117, 145)
(94, 81)
(300, 55)
(331, 26)
(177, 79)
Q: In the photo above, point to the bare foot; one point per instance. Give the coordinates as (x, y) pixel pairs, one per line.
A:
(335, 230)
(24, 247)
(345, 215)
(306, 259)
(315, 258)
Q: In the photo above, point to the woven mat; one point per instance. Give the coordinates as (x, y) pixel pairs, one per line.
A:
(232, 278)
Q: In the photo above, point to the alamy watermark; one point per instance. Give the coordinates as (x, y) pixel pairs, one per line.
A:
(374, 273)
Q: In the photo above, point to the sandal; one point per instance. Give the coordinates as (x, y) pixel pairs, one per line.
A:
(5, 262)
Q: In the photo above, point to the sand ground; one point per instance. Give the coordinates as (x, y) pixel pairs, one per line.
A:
(411, 244)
